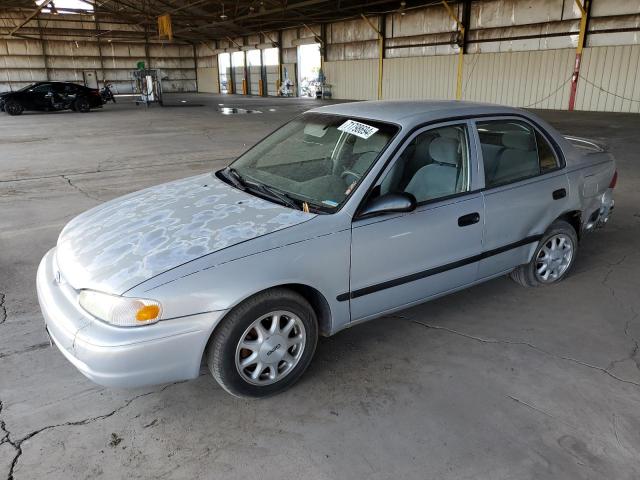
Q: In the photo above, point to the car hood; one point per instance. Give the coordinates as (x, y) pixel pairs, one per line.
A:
(126, 241)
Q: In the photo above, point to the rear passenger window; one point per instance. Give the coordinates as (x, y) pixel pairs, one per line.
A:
(548, 159)
(513, 150)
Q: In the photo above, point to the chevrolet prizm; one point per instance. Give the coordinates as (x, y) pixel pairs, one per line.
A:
(347, 213)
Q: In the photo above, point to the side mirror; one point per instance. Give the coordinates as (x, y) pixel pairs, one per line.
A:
(391, 202)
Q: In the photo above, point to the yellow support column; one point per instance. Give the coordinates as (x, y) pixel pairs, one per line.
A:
(576, 66)
(461, 52)
(380, 54)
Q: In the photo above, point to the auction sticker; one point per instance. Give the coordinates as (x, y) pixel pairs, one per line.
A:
(358, 129)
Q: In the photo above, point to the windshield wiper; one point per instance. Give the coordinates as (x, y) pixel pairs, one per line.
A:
(234, 177)
(240, 182)
(284, 197)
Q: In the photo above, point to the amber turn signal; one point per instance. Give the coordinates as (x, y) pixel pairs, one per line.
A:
(148, 312)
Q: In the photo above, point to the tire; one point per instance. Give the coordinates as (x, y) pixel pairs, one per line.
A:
(224, 353)
(13, 108)
(82, 105)
(560, 238)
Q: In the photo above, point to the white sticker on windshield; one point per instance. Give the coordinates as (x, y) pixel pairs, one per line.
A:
(358, 129)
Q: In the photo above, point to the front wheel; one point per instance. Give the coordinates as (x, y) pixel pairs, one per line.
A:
(81, 105)
(264, 345)
(13, 108)
(553, 258)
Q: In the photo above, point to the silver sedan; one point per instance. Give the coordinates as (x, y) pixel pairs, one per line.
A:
(344, 214)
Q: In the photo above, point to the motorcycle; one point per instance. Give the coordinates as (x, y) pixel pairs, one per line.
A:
(107, 94)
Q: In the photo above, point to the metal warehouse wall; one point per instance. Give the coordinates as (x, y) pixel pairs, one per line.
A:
(519, 52)
(610, 79)
(366, 73)
(536, 79)
(77, 47)
(207, 69)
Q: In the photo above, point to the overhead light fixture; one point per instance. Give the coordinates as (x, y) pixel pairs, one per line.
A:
(403, 4)
(262, 9)
(223, 16)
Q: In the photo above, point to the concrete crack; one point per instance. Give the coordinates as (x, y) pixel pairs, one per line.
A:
(532, 347)
(539, 410)
(3, 309)
(84, 192)
(634, 315)
(3, 430)
(17, 444)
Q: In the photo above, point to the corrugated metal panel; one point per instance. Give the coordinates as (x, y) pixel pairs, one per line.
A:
(353, 79)
(615, 7)
(536, 79)
(609, 79)
(272, 80)
(419, 77)
(254, 80)
(432, 19)
(208, 80)
(502, 13)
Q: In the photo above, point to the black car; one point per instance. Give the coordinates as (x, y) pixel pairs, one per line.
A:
(48, 96)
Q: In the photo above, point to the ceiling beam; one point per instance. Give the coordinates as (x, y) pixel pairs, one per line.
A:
(31, 17)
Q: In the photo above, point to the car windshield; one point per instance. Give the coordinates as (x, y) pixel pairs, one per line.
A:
(316, 159)
(24, 89)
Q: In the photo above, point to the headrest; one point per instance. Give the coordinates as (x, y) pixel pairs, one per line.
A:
(450, 132)
(422, 148)
(445, 150)
(518, 140)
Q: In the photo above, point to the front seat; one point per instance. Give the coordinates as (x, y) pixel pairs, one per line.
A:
(439, 178)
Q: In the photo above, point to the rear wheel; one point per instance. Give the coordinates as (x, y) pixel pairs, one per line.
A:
(82, 105)
(13, 107)
(264, 345)
(552, 259)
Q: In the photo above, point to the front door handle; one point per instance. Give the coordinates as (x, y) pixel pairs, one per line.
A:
(468, 219)
(560, 193)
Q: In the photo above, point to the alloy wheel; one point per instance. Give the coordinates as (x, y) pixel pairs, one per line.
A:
(554, 258)
(270, 348)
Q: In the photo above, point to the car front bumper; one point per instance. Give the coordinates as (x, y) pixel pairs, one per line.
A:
(167, 351)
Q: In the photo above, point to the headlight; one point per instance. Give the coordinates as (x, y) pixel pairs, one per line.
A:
(120, 311)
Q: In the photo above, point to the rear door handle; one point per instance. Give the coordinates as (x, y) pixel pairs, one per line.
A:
(560, 193)
(468, 219)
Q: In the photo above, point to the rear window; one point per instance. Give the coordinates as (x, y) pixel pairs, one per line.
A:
(513, 150)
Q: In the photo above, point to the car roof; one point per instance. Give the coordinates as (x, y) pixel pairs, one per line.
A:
(410, 112)
(58, 83)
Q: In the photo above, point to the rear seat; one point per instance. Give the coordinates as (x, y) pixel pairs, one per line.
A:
(517, 158)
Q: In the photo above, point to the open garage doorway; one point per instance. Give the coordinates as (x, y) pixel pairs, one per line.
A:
(238, 67)
(254, 69)
(224, 71)
(308, 69)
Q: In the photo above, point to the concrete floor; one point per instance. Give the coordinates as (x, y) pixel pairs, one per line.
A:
(494, 382)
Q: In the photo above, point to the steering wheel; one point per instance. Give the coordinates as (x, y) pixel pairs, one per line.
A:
(348, 173)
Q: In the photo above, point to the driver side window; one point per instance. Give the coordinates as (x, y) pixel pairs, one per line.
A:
(45, 87)
(435, 164)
